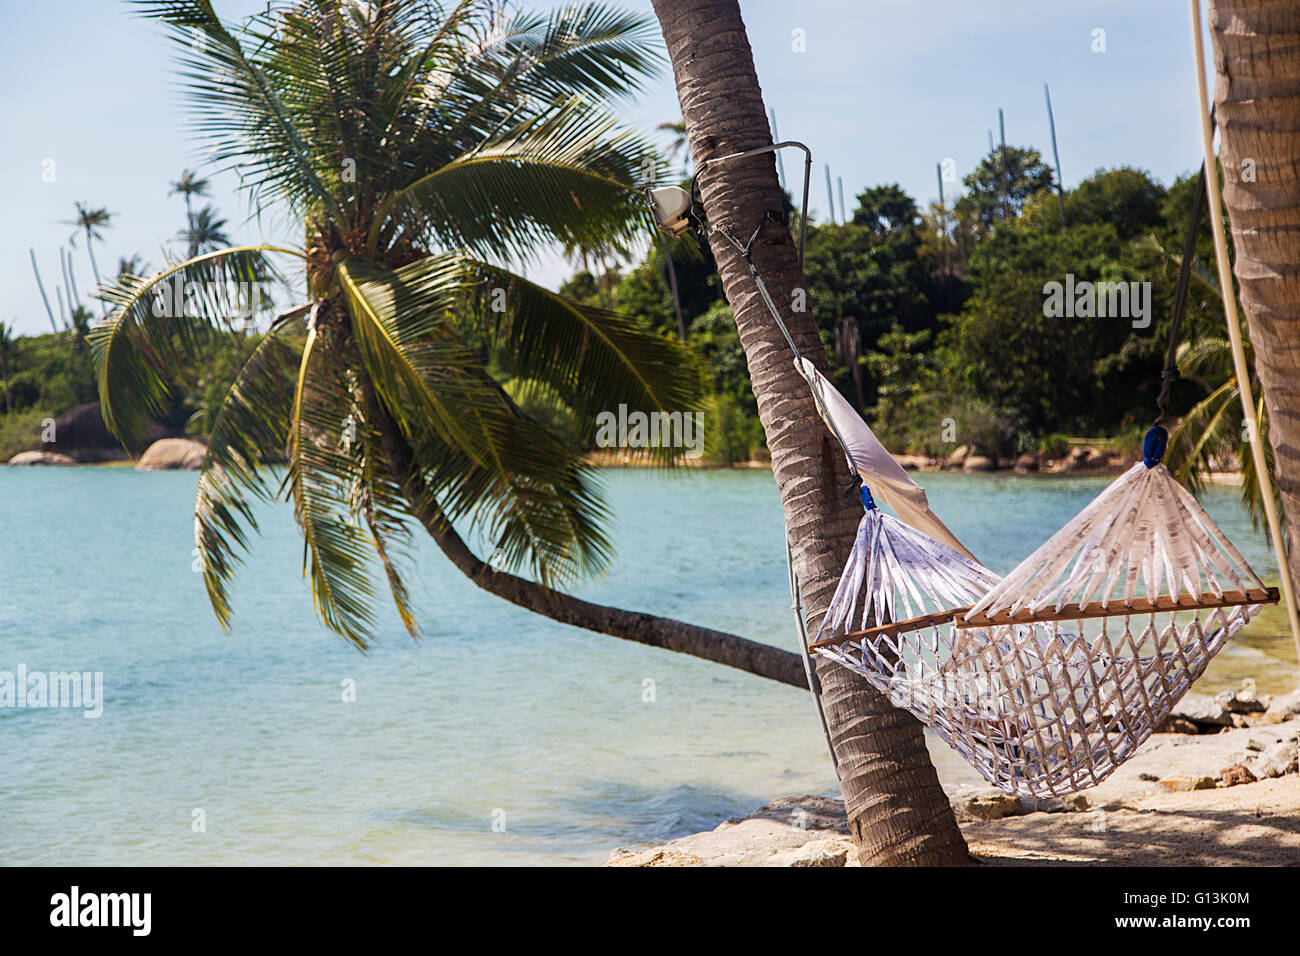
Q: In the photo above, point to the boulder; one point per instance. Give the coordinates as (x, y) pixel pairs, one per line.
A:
(1274, 760)
(1180, 783)
(832, 852)
(989, 806)
(1241, 702)
(41, 458)
(978, 463)
(1236, 774)
(1286, 704)
(81, 434)
(1177, 725)
(912, 462)
(959, 455)
(1026, 463)
(173, 454)
(1201, 709)
(1068, 804)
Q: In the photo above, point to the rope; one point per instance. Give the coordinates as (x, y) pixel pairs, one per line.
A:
(1234, 327)
(746, 254)
(1170, 372)
(796, 603)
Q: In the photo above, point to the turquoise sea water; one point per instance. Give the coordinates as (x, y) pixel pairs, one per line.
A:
(499, 738)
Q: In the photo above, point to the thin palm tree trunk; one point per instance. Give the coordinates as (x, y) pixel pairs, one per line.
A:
(90, 249)
(898, 812)
(41, 285)
(1257, 103)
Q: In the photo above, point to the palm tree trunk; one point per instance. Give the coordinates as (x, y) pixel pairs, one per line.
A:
(1257, 104)
(898, 813)
(90, 248)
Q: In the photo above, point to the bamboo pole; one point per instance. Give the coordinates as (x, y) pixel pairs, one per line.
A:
(1056, 155)
(41, 285)
(1234, 326)
(1006, 197)
(830, 196)
(776, 138)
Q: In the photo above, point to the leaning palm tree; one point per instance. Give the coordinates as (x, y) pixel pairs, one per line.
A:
(898, 813)
(418, 155)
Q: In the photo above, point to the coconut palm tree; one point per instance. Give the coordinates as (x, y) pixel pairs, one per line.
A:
(133, 265)
(417, 155)
(1214, 430)
(206, 232)
(897, 811)
(90, 221)
(189, 185)
(1257, 56)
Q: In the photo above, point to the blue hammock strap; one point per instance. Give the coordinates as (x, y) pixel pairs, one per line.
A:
(1153, 445)
(868, 502)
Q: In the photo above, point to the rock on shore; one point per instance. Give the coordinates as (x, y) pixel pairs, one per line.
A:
(173, 454)
(32, 458)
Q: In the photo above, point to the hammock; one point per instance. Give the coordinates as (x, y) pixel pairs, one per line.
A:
(1148, 586)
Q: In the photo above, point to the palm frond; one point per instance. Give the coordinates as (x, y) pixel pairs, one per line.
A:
(564, 175)
(587, 48)
(1208, 432)
(539, 510)
(251, 425)
(514, 480)
(416, 370)
(594, 358)
(381, 504)
(156, 320)
(321, 476)
(239, 111)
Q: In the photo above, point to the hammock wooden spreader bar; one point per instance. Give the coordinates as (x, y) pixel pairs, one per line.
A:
(1071, 612)
(894, 628)
(1138, 605)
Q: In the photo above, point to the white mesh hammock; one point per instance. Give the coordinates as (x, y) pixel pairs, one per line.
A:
(1149, 590)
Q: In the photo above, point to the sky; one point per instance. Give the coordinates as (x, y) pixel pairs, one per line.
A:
(881, 90)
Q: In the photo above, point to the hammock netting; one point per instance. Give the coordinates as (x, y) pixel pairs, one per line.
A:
(1048, 679)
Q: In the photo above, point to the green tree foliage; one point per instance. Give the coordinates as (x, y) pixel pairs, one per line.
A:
(1026, 176)
(1047, 373)
(866, 276)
